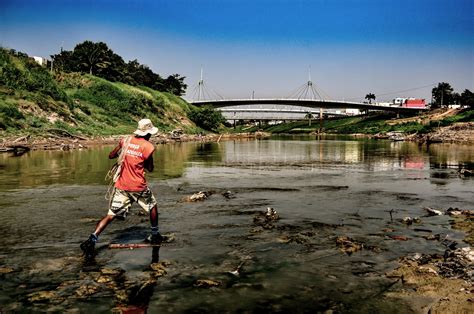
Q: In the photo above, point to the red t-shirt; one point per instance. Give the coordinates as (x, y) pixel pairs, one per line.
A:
(132, 177)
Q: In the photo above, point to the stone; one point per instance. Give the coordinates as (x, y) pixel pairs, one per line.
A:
(207, 283)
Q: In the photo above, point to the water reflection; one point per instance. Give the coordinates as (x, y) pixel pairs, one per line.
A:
(86, 167)
(371, 155)
(89, 166)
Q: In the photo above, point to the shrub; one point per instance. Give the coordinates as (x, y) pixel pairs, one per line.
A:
(206, 118)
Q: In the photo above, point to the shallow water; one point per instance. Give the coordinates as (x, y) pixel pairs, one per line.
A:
(321, 188)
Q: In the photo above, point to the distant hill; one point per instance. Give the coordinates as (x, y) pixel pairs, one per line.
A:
(33, 101)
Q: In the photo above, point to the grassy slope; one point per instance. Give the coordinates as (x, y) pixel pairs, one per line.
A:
(361, 124)
(32, 101)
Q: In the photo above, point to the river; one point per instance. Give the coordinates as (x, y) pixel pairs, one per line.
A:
(322, 188)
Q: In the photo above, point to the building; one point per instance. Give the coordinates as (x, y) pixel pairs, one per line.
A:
(41, 61)
(409, 102)
(414, 103)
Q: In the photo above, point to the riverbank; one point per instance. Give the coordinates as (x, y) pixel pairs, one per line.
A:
(68, 141)
(433, 283)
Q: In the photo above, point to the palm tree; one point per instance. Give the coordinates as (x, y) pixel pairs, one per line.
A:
(370, 97)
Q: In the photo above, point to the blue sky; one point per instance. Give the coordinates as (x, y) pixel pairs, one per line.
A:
(353, 47)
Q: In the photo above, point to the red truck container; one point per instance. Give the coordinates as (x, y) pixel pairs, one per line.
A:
(414, 103)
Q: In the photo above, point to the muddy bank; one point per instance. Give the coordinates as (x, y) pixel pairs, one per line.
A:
(434, 283)
(67, 141)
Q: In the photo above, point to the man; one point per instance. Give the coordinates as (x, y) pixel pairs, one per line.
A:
(136, 155)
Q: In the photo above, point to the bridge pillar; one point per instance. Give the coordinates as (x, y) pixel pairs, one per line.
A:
(320, 119)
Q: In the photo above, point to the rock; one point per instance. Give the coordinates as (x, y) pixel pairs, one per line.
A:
(112, 271)
(207, 283)
(104, 279)
(399, 238)
(44, 296)
(6, 270)
(348, 245)
(159, 269)
(298, 238)
(432, 237)
(407, 220)
(86, 290)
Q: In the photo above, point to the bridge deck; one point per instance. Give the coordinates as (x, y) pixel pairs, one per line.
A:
(310, 103)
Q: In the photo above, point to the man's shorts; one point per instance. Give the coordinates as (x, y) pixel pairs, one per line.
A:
(123, 200)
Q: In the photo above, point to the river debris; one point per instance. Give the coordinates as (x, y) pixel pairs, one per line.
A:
(450, 211)
(236, 272)
(466, 173)
(457, 264)
(207, 283)
(433, 212)
(410, 220)
(199, 196)
(266, 219)
(396, 136)
(228, 194)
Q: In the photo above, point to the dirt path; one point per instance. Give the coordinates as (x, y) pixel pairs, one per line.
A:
(435, 115)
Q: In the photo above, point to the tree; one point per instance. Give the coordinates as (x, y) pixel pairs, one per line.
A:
(370, 97)
(467, 99)
(442, 95)
(206, 118)
(63, 61)
(175, 84)
(90, 56)
(98, 59)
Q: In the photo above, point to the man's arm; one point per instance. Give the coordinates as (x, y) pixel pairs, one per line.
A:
(115, 153)
(149, 163)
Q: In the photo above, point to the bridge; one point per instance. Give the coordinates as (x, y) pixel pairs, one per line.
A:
(306, 96)
(309, 103)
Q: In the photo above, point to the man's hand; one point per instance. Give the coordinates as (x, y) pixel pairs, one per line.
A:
(115, 153)
(148, 164)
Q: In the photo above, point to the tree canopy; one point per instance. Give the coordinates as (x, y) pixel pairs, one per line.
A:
(99, 60)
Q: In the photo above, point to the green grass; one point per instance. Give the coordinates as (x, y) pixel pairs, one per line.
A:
(81, 103)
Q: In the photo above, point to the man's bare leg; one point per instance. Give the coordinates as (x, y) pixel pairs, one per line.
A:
(156, 237)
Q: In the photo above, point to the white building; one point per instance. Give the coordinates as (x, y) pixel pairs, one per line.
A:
(40, 60)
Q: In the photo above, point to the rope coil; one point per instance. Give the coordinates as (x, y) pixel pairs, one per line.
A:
(116, 170)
